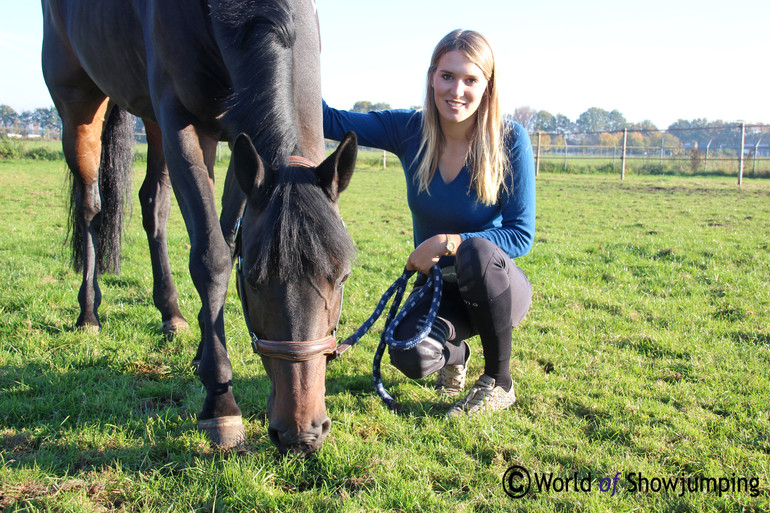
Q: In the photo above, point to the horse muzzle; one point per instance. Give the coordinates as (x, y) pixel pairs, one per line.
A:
(303, 443)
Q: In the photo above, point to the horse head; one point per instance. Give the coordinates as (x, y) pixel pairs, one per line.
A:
(294, 256)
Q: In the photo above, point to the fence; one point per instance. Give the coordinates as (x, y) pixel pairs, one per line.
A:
(728, 149)
(688, 149)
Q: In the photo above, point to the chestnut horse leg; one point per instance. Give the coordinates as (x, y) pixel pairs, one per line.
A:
(81, 141)
(155, 198)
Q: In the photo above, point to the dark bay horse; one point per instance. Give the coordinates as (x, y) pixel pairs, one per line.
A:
(197, 72)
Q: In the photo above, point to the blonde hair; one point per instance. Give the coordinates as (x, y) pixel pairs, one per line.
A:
(487, 158)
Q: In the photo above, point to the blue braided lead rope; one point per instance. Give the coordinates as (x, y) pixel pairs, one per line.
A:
(394, 318)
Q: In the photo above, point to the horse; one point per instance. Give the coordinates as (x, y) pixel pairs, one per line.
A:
(197, 72)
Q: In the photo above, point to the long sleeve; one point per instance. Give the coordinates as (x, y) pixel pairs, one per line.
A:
(516, 231)
(387, 129)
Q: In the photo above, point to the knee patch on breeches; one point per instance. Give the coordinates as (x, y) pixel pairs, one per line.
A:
(426, 357)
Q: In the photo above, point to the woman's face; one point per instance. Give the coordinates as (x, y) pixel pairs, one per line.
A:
(458, 88)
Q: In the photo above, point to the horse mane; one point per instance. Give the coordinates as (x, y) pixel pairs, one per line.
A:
(256, 39)
(299, 233)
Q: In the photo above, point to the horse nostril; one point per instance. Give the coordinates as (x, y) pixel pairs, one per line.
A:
(276, 439)
(326, 426)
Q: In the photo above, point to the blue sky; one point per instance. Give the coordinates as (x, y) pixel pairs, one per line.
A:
(655, 59)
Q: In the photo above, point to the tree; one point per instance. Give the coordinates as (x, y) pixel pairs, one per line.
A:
(366, 106)
(545, 121)
(563, 125)
(610, 139)
(8, 116)
(593, 120)
(47, 119)
(703, 133)
(616, 121)
(646, 125)
(25, 119)
(526, 117)
(599, 120)
(635, 139)
(545, 139)
(362, 106)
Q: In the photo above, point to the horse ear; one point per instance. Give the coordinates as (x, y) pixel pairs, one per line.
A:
(248, 167)
(335, 172)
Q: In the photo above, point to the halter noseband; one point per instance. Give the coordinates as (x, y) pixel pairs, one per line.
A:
(289, 350)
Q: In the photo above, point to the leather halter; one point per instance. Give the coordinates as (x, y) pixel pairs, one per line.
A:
(289, 350)
(296, 160)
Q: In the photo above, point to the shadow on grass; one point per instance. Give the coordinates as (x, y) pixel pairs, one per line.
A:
(99, 412)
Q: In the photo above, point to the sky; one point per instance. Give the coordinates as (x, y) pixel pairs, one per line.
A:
(657, 60)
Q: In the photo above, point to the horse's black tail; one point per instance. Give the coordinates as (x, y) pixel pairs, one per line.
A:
(117, 162)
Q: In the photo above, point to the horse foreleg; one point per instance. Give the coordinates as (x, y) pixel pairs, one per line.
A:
(233, 203)
(190, 156)
(155, 198)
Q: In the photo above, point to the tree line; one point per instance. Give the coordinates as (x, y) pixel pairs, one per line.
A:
(595, 126)
(600, 127)
(37, 119)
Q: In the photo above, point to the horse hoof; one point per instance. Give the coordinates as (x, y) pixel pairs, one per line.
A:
(89, 328)
(224, 432)
(172, 327)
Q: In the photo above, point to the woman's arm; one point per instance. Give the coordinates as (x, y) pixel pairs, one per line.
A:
(385, 129)
(517, 231)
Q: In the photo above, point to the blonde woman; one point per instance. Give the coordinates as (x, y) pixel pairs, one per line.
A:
(471, 191)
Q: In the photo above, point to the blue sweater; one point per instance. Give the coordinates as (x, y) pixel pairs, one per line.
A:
(450, 207)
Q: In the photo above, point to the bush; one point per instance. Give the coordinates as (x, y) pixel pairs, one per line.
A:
(41, 153)
(11, 149)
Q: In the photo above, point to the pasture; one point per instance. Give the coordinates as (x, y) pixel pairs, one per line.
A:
(646, 354)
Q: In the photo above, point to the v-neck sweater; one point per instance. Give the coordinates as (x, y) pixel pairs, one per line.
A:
(452, 207)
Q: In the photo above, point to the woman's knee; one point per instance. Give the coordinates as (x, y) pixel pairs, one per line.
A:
(422, 360)
(483, 268)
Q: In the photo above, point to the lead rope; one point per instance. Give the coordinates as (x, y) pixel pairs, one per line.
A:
(432, 285)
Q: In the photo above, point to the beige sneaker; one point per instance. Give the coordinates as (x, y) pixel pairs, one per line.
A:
(450, 380)
(483, 397)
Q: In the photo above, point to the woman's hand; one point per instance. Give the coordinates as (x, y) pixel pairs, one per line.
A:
(427, 254)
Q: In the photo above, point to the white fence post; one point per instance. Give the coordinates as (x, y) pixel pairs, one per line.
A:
(740, 153)
(623, 155)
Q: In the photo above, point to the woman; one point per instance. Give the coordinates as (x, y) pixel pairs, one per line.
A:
(471, 191)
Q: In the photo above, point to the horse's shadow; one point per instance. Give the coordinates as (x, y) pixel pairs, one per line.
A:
(102, 410)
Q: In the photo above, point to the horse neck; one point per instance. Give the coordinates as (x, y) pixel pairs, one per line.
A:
(275, 74)
(307, 83)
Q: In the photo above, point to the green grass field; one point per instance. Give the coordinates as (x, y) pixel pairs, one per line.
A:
(646, 353)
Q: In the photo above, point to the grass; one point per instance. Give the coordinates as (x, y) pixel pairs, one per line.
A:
(646, 350)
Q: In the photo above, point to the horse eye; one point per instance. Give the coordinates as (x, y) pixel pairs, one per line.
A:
(344, 279)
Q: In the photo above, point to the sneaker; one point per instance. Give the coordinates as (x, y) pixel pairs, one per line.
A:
(483, 397)
(450, 380)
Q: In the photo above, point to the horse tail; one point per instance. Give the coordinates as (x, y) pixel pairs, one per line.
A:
(115, 169)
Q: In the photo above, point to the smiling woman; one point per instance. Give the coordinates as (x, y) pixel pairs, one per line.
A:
(471, 191)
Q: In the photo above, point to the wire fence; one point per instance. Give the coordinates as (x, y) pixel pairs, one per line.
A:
(740, 150)
(737, 150)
